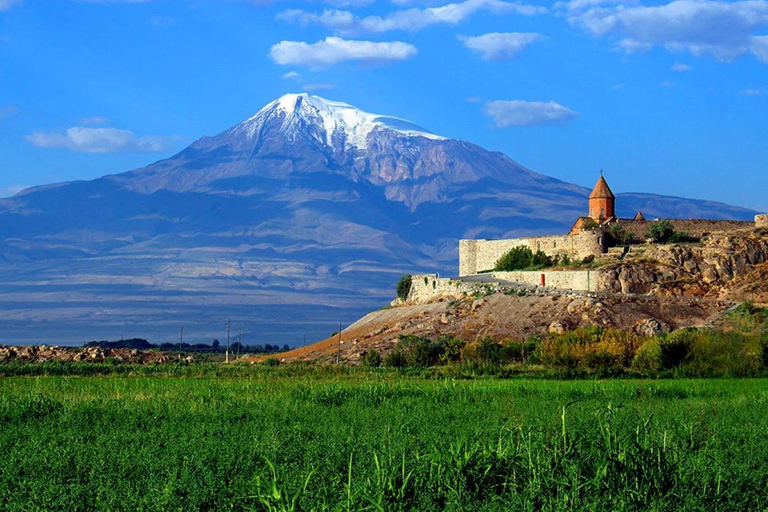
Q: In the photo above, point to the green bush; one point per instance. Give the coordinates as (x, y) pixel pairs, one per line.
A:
(272, 361)
(660, 231)
(372, 359)
(395, 359)
(648, 357)
(519, 258)
(676, 347)
(682, 236)
(404, 287)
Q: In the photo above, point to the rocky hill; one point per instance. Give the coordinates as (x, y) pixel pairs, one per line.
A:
(726, 265)
(297, 218)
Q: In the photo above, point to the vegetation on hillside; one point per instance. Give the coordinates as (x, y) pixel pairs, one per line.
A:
(404, 287)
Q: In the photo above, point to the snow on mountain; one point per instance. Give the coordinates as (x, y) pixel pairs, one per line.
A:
(337, 119)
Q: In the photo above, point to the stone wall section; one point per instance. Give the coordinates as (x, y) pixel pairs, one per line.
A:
(429, 287)
(580, 280)
(761, 221)
(481, 255)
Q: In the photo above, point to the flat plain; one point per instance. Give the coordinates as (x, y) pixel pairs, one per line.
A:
(280, 439)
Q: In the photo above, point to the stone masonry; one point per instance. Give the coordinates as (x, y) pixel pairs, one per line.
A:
(481, 255)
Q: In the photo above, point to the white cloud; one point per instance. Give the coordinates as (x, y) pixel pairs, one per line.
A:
(723, 30)
(95, 120)
(6, 5)
(99, 140)
(10, 190)
(292, 75)
(752, 92)
(333, 50)
(527, 113)
(667, 84)
(500, 46)
(677, 66)
(759, 46)
(409, 19)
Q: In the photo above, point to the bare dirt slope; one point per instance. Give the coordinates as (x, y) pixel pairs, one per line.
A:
(508, 316)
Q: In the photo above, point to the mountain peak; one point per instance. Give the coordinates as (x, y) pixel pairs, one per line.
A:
(339, 122)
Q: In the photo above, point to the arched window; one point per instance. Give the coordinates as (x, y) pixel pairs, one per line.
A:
(602, 212)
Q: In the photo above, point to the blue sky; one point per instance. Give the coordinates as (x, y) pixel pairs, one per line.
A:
(668, 97)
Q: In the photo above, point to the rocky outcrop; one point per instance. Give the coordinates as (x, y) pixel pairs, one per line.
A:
(43, 353)
(688, 269)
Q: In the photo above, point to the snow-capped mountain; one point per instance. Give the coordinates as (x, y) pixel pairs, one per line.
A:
(342, 125)
(302, 215)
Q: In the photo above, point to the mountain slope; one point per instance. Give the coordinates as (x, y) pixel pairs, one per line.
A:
(301, 216)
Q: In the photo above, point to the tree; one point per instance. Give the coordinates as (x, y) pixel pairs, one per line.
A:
(395, 359)
(215, 344)
(516, 258)
(404, 287)
(660, 231)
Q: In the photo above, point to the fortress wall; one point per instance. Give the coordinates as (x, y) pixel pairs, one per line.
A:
(583, 280)
(761, 221)
(694, 227)
(428, 287)
(479, 255)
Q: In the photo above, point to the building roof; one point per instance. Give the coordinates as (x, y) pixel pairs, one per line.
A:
(639, 217)
(602, 190)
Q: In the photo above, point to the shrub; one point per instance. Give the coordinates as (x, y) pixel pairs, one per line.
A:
(404, 287)
(451, 348)
(419, 352)
(372, 359)
(682, 236)
(272, 361)
(676, 347)
(395, 359)
(648, 357)
(764, 350)
(540, 259)
(516, 258)
(488, 351)
(660, 231)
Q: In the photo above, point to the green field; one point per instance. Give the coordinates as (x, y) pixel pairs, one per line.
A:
(377, 440)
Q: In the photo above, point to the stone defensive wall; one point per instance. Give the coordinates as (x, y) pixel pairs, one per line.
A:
(694, 227)
(480, 255)
(761, 221)
(579, 280)
(428, 287)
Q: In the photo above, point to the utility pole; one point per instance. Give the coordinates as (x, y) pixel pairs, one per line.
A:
(239, 342)
(305, 340)
(227, 355)
(181, 338)
(338, 355)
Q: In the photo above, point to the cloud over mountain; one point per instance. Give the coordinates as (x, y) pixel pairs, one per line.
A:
(500, 46)
(411, 20)
(333, 50)
(527, 113)
(99, 140)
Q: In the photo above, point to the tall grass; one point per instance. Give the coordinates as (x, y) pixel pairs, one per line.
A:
(381, 441)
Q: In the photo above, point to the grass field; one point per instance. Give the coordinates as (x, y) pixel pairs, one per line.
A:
(381, 441)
